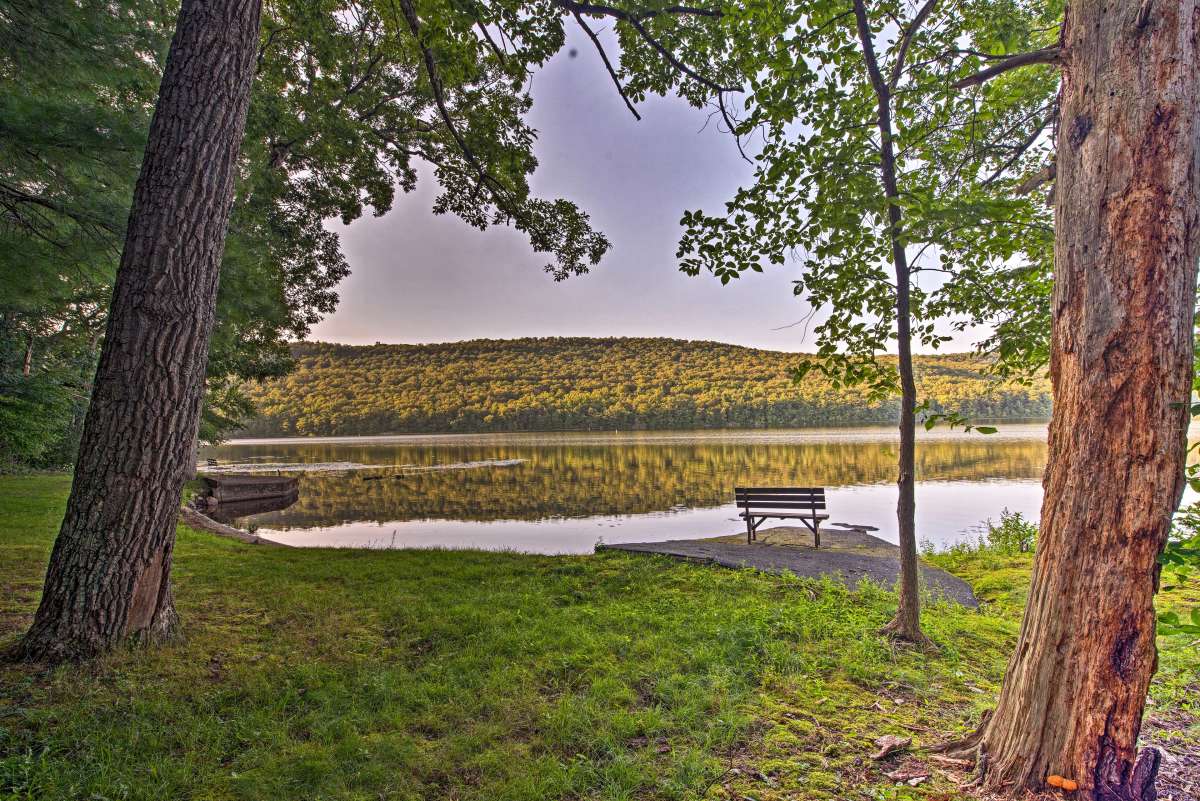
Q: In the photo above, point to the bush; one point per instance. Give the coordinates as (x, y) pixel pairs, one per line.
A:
(1011, 536)
(1014, 534)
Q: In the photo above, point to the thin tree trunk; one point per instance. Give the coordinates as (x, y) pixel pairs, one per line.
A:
(109, 574)
(906, 625)
(1126, 246)
(907, 622)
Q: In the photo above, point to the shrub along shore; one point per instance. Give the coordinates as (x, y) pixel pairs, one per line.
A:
(436, 674)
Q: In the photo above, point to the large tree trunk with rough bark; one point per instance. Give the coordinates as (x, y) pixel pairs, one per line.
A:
(109, 574)
(1127, 222)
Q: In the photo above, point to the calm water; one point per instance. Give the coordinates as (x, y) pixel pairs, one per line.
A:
(563, 493)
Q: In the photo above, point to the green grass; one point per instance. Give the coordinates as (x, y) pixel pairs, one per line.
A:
(325, 674)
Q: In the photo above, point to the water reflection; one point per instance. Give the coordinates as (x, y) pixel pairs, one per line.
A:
(563, 492)
(235, 511)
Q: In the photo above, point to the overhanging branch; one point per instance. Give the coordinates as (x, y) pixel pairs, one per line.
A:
(1047, 55)
(635, 19)
(612, 73)
(439, 97)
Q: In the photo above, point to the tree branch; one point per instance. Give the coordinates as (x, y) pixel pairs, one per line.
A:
(439, 97)
(1020, 149)
(906, 40)
(737, 139)
(491, 42)
(262, 51)
(15, 195)
(600, 10)
(635, 21)
(1047, 55)
(607, 64)
(675, 62)
(868, 49)
(1042, 176)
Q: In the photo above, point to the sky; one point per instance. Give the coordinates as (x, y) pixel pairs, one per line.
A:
(419, 277)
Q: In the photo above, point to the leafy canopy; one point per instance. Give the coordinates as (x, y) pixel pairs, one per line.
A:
(978, 251)
(349, 99)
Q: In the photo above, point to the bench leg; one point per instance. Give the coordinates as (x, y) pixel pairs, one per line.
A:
(814, 526)
(752, 528)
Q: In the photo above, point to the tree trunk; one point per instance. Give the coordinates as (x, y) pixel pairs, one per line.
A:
(906, 625)
(1121, 365)
(109, 574)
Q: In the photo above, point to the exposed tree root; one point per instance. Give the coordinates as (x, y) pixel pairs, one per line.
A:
(898, 629)
(981, 764)
(1110, 783)
(964, 747)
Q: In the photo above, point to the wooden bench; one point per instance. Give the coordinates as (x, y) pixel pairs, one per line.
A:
(805, 504)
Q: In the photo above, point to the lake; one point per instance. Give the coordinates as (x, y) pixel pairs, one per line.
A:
(566, 492)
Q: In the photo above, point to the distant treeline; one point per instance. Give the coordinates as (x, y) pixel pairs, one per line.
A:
(547, 384)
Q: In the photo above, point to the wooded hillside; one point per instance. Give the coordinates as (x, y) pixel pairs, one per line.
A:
(594, 384)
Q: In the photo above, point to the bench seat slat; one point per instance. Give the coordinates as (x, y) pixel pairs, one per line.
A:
(779, 499)
(753, 505)
(789, 498)
(787, 514)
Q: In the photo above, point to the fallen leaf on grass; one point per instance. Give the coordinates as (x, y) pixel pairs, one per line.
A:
(890, 744)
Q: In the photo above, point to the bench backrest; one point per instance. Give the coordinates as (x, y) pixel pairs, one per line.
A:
(796, 498)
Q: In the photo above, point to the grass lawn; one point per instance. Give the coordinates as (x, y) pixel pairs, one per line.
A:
(326, 674)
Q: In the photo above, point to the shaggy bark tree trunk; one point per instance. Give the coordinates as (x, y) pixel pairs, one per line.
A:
(1125, 270)
(109, 574)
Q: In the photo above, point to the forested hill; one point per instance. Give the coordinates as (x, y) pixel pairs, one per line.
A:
(600, 384)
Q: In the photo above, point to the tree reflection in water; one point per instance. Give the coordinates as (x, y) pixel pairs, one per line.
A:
(588, 475)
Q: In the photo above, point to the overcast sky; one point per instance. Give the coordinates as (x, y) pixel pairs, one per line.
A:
(418, 277)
